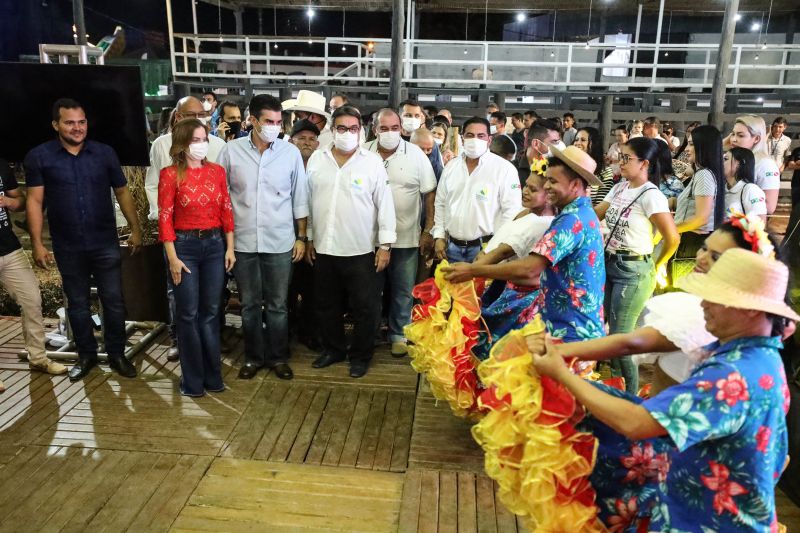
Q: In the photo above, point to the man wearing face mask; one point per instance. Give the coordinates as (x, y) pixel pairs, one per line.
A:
(412, 118)
(230, 127)
(269, 194)
(491, 108)
(478, 193)
(411, 179)
(210, 105)
(187, 107)
(351, 207)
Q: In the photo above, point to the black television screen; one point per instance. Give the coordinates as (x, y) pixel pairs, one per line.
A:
(111, 96)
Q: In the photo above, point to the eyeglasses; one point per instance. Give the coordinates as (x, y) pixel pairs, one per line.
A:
(194, 115)
(625, 158)
(345, 129)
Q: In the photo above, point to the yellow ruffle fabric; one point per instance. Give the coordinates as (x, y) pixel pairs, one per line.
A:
(443, 331)
(539, 461)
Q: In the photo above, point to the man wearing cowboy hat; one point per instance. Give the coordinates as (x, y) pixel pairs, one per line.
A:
(309, 106)
(569, 256)
(723, 430)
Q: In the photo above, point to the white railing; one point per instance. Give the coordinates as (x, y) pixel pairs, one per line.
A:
(477, 63)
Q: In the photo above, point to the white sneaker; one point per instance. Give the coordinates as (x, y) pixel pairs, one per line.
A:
(399, 349)
(49, 367)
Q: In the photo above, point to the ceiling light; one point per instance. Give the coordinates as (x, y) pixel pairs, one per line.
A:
(755, 27)
(344, 48)
(738, 17)
(521, 17)
(275, 46)
(756, 58)
(764, 46)
(587, 45)
(310, 13)
(310, 41)
(552, 54)
(759, 99)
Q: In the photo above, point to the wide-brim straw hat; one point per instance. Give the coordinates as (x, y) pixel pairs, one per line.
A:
(579, 161)
(744, 280)
(308, 101)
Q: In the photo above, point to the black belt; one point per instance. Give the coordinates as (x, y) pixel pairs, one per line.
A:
(200, 233)
(623, 255)
(473, 242)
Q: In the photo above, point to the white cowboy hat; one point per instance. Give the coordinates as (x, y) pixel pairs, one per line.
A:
(744, 280)
(308, 101)
(579, 161)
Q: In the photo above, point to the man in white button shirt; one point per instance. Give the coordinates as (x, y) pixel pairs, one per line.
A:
(477, 193)
(187, 107)
(269, 194)
(351, 210)
(411, 180)
(778, 144)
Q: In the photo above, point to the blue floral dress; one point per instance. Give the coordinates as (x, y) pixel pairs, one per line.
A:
(572, 286)
(726, 447)
(515, 307)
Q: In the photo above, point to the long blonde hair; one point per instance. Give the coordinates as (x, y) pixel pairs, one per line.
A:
(756, 126)
(182, 134)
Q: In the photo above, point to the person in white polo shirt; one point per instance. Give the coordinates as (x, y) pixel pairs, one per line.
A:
(351, 210)
(742, 195)
(750, 131)
(412, 181)
(477, 193)
(778, 144)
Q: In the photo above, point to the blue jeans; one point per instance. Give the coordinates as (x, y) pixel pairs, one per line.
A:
(263, 281)
(77, 269)
(402, 274)
(629, 284)
(462, 254)
(197, 306)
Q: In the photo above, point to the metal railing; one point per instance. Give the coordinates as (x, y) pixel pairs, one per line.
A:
(488, 64)
(82, 53)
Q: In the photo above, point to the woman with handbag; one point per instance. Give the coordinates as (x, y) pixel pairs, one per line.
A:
(634, 209)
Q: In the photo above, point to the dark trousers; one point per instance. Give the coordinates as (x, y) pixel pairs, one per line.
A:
(77, 269)
(302, 312)
(197, 308)
(263, 281)
(337, 278)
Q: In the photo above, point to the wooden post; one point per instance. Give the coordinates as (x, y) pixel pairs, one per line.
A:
(80, 23)
(605, 121)
(396, 81)
(723, 61)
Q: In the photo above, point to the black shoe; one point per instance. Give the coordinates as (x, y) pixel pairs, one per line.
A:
(326, 359)
(358, 369)
(122, 366)
(80, 369)
(248, 371)
(283, 371)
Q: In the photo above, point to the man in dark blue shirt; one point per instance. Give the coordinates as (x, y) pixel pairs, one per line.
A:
(75, 176)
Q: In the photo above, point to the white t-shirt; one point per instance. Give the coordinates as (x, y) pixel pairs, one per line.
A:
(410, 176)
(521, 234)
(628, 216)
(768, 176)
(703, 183)
(747, 198)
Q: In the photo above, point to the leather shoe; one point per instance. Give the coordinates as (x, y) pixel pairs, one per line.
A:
(248, 371)
(122, 366)
(358, 368)
(80, 369)
(283, 371)
(326, 359)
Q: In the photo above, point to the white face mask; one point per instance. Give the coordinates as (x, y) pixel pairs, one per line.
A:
(389, 140)
(474, 148)
(411, 124)
(438, 141)
(492, 129)
(560, 145)
(346, 142)
(207, 105)
(198, 151)
(269, 132)
(204, 120)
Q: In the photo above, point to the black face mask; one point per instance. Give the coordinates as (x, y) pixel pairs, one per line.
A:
(234, 127)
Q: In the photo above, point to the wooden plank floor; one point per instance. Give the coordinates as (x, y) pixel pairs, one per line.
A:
(322, 452)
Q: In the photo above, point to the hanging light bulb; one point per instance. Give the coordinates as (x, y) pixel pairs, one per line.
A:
(521, 17)
(755, 27)
(666, 54)
(310, 12)
(764, 46)
(759, 99)
(756, 58)
(738, 17)
(275, 46)
(465, 51)
(587, 45)
(344, 48)
(552, 54)
(310, 41)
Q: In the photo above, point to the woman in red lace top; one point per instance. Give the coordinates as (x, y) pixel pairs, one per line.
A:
(195, 224)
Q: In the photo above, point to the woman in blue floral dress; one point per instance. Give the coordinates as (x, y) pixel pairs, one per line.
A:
(704, 455)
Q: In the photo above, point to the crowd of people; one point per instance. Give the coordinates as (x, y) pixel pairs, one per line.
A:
(329, 215)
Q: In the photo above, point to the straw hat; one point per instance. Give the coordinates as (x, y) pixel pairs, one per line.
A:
(744, 280)
(308, 101)
(579, 161)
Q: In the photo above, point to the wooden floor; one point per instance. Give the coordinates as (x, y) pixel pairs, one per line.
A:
(322, 452)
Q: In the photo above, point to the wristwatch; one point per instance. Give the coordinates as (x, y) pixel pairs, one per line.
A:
(302, 239)
(385, 247)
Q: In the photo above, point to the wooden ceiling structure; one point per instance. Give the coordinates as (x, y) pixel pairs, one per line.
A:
(698, 7)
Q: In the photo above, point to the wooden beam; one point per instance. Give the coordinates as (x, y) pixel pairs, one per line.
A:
(723, 61)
